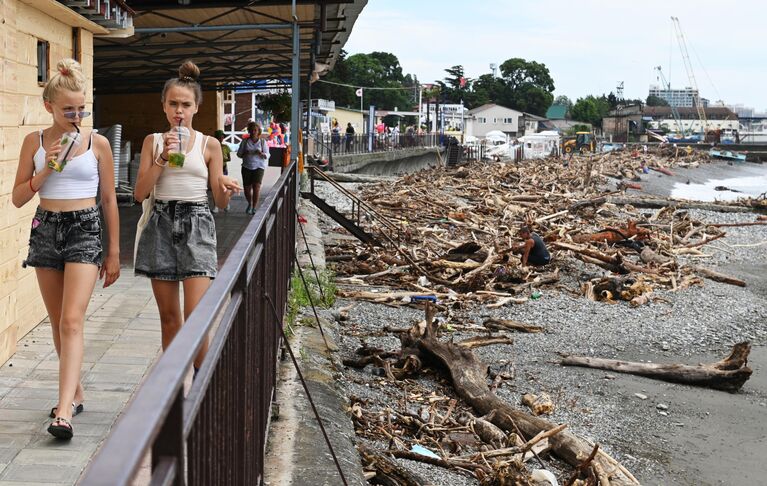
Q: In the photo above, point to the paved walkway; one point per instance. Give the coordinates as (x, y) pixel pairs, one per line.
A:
(122, 340)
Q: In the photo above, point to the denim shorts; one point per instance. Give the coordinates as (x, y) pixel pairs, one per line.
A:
(65, 237)
(178, 242)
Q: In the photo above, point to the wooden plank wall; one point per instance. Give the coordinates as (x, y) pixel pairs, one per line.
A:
(21, 112)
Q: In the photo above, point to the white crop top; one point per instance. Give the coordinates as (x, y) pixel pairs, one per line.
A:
(78, 180)
(187, 183)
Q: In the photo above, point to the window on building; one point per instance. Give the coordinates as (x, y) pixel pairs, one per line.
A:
(76, 47)
(481, 119)
(495, 121)
(508, 121)
(42, 61)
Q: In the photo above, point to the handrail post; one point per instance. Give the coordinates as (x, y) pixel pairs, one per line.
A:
(170, 440)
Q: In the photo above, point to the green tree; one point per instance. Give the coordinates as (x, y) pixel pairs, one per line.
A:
(563, 100)
(529, 86)
(653, 100)
(366, 70)
(374, 70)
(488, 89)
(591, 109)
(278, 104)
(451, 89)
(342, 95)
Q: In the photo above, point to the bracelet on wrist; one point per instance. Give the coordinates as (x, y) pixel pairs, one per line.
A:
(158, 163)
(32, 188)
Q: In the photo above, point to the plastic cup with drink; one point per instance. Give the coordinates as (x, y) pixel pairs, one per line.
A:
(176, 155)
(70, 142)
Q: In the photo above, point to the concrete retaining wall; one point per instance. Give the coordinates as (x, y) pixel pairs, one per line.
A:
(389, 162)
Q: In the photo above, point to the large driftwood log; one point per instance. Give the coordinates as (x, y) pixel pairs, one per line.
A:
(469, 374)
(728, 374)
(662, 203)
(719, 277)
(511, 325)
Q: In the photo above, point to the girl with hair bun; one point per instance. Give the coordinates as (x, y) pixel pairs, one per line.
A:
(177, 241)
(68, 166)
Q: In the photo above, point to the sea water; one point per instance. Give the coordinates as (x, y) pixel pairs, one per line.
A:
(752, 186)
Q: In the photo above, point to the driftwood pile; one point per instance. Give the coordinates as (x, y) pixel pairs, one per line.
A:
(482, 436)
(456, 243)
(458, 232)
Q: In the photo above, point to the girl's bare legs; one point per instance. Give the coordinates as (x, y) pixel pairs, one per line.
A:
(194, 289)
(166, 295)
(51, 283)
(79, 280)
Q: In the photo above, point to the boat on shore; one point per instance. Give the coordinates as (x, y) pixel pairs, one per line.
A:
(727, 154)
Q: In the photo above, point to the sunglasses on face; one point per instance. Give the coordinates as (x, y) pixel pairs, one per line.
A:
(75, 114)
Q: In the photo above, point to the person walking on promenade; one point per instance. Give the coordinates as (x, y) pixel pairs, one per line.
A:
(226, 153)
(349, 136)
(67, 170)
(335, 137)
(254, 152)
(177, 240)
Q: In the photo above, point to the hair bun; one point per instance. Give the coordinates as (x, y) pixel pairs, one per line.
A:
(188, 71)
(69, 67)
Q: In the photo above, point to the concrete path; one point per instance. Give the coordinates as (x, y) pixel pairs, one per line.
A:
(122, 341)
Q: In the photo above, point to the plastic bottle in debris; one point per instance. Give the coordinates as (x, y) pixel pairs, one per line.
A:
(536, 295)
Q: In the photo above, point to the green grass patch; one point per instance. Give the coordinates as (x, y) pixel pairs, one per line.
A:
(300, 296)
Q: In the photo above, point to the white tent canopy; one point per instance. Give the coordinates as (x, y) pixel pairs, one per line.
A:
(496, 136)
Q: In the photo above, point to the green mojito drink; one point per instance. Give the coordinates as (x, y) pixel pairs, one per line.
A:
(69, 144)
(176, 159)
(176, 155)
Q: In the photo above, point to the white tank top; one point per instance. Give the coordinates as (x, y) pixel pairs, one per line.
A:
(187, 183)
(78, 180)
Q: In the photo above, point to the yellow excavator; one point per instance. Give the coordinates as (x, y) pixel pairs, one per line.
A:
(583, 142)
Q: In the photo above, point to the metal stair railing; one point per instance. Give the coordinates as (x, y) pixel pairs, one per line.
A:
(388, 229)
(324, 147)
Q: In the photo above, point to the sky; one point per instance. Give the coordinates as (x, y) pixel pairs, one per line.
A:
(589, 46)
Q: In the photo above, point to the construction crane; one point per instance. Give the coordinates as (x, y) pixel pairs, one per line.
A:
(678, 119)
(690, 74)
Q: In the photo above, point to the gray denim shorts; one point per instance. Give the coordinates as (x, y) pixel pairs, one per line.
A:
(65, 237)
(178, 242)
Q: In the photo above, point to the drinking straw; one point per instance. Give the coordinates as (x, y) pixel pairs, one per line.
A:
(72, 144)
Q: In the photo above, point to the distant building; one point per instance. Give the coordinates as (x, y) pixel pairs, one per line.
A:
(717, 117)
(686, 97)
(489, 117)
(620, 124)
(349, 115)
(742, 111)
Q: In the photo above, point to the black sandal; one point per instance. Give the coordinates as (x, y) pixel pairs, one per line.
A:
(77, 409)
(61, 431)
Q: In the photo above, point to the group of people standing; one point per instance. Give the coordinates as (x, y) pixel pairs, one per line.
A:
(335, 137)
(177, 242)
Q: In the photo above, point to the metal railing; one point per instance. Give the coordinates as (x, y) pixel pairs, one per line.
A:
(360, 212)
(216, 434)
(362, 143)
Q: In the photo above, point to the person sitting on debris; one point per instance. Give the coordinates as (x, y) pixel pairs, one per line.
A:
(534, 251)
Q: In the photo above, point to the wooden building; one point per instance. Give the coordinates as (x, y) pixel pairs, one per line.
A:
(34, 35)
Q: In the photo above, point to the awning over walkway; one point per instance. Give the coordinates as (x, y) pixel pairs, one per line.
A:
(231, 41)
